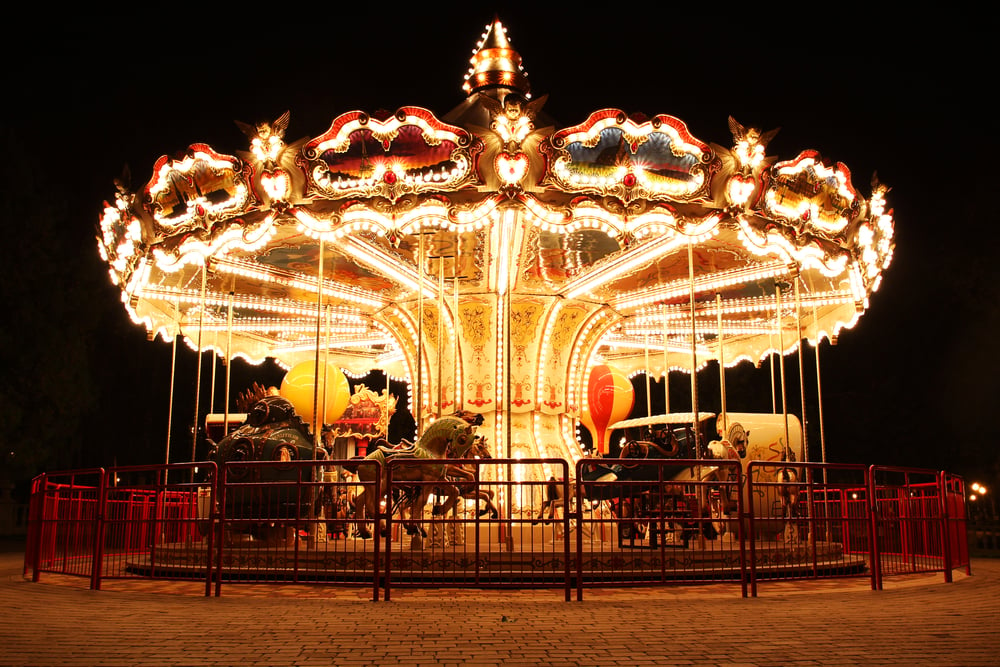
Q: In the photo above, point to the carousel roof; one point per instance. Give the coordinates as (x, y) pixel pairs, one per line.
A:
(260, 252)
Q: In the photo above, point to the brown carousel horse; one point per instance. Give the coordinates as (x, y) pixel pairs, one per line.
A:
(462, 485)
(447, 437)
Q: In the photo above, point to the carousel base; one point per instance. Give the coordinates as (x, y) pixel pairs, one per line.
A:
(527, 554)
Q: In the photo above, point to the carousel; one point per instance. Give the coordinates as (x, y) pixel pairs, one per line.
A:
(505, 266)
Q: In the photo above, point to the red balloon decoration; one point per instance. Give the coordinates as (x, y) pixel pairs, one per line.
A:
(609, 399)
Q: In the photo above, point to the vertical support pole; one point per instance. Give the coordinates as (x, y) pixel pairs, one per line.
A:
(97, 564)
(666, 366)
(316, 420)
(649, 395)
(197, 375)
(211, 397)
(722, 361)
(456, 318)
(694, 355)
(945, 526)
(229, 361)
(420, 332)
(819, 400)
(440, 336)
(170, 407)
(874, 553)
(802, 377)
(781, 364)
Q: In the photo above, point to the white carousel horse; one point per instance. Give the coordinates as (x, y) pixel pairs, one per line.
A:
(788, 478)
(447, 437)
(731, 448)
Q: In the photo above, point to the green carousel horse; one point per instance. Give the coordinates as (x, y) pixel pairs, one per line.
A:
(447, 437)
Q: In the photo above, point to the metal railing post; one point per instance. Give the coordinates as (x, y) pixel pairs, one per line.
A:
(96, 567)
(751, 522)
(945, 527)
(874, 555)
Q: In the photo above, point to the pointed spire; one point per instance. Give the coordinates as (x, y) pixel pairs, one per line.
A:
(495, 64)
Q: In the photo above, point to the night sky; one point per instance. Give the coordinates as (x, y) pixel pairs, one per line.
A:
(915, 383)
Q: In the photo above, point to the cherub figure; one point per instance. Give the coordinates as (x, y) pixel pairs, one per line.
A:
(513, 118)
(267, 139)
(748, 146)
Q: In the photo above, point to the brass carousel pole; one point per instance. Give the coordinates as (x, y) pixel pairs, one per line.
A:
(456, 347)
(802, 377)
(774, 394)
(649, 394)
(420, 332)
(666, 366)
(197, 380)
(170, 405)
(694, 355)
(229, 354)
(819, 397)
(319, 330)
(696, 422)
(722, 363)
(781, 363)
(440, 337)
(326, 373)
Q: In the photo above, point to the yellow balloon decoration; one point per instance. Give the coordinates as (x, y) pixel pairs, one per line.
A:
(298, 386)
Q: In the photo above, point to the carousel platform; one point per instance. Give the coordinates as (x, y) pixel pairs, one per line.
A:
(500, 554)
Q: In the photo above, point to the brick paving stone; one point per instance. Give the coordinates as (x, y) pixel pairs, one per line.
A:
(916, 620)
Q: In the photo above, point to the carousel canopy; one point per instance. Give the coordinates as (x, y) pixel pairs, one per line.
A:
(495, 242)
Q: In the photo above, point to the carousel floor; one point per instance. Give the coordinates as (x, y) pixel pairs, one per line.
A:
(502, 554)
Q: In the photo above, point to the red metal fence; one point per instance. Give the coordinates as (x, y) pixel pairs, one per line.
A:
(505, 523)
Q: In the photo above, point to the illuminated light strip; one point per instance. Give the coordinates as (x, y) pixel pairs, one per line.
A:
(404, 318)
(311, 225)
(745, 305)
(389, 266)
(774, 242)
(575, 360)
(196, 252)
(267, 305)
(338, 344)
(543, 351)
(506, 265)
(615, 342)
(306, 329)
(710, 283)
(480, 215)
(289, 279)
(632, 259)
(433, 213)
(543, 216)
(164, 333)
(567, 426)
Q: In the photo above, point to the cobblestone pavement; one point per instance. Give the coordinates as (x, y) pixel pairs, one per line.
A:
(917, 619)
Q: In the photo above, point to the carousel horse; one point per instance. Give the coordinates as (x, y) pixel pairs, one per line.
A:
(731, 448)
(447, 437)
(788, 491)
(554, 498)
(462, 485)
